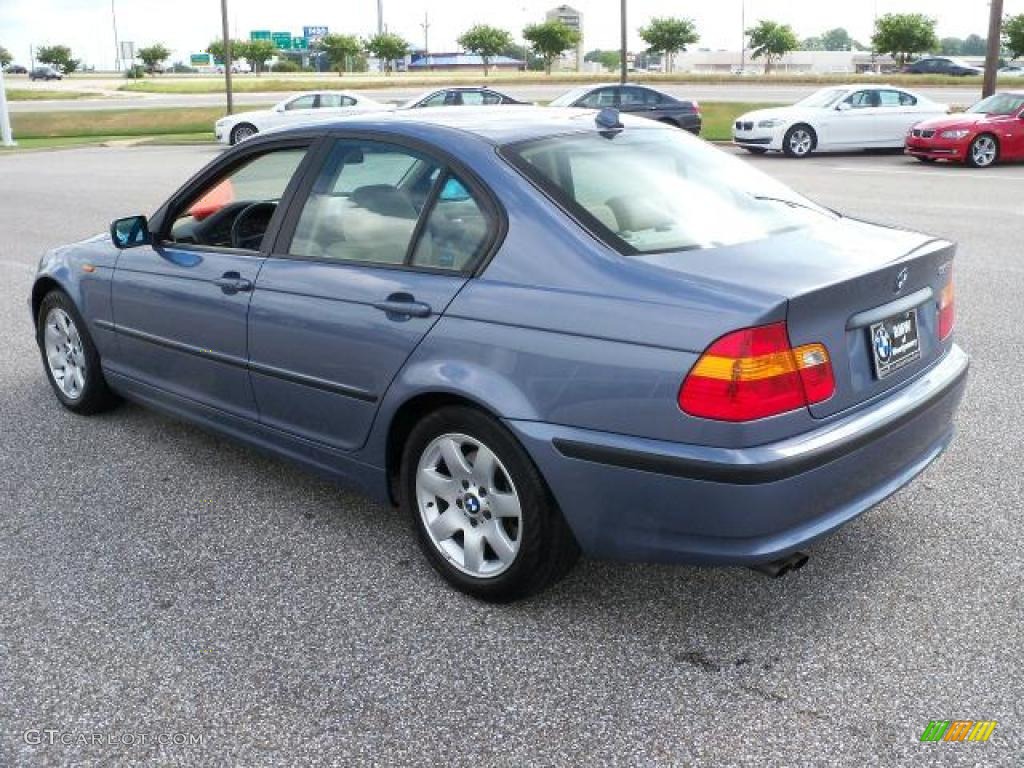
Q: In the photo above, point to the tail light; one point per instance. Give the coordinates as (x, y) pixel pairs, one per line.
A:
(696, 106)
(753, 373)
(946, 310)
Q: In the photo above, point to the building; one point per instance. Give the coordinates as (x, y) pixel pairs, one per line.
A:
(574, 19)
(794, 62)
(457, 62)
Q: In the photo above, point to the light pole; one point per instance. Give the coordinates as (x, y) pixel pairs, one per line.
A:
(5, 119)
(743, 36)
(117, 45)
(380, 17)
(227, 54)
(426, 37)
(995, 27)
(623, 44)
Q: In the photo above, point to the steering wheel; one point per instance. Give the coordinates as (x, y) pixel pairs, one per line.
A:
(250, 225)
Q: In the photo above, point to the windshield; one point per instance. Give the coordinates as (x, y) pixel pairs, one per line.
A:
(999, 104)
(567, 99)
(823, 98)
(649, 190)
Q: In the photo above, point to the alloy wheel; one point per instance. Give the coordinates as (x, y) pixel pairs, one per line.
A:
(800, 142)
(983, 151)
(64, 354)
(469, 505)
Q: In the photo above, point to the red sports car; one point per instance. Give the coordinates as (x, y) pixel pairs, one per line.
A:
(991, 130)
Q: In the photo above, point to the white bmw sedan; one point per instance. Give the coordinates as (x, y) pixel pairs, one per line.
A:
(295, 110)
(843, 117)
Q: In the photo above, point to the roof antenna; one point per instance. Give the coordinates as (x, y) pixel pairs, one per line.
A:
(608, 120)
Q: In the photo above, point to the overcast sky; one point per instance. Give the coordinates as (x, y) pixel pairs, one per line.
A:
(186, 26)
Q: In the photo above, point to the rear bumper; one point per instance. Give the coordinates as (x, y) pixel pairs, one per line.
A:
(638, 499)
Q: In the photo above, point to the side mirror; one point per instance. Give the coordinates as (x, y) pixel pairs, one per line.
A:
(843, 106)
(130, 232)
(279, 107)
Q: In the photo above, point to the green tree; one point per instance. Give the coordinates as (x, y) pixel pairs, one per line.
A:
(771, 41)
(550, 40)
(812, 44)
(5, 57)
(486, 42)
(341, 51)
(387, 47)
(607, 59)
(256, 52)
(974, 45)
(153, 56)
(1013, 35)
(951, 46)
(837, 39)
(903, 35)
(59, 57)
(666, 36)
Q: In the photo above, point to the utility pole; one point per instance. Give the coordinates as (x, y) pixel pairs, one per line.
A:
(380, 17)
(227, 54)
(743, 36)
(623, 45)
(5, 119)
(995, 29)
(117, 45)
(426, 35)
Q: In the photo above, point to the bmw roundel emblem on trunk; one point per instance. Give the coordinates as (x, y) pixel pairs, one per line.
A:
(883, 344)
(901, 280)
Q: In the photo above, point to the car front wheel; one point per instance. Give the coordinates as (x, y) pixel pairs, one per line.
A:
(984, 151)
(799, 141)
(242, 131)
(70, 357)
(484, 516)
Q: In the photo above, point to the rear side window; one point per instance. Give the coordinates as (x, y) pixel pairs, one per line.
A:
(383, 204)
(603, 97)
(335, 100)
(896, 99)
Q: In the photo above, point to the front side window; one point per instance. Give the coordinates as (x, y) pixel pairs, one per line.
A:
(863, 99)
(649, 190)
(235, 210)
(303, 102)
(368, 200)
(603, 97)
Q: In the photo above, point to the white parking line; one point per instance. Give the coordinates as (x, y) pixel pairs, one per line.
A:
(926, 172)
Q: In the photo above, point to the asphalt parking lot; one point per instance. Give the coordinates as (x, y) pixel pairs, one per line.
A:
(158, 579)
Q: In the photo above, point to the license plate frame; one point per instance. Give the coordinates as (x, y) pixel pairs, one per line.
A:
(895, 342)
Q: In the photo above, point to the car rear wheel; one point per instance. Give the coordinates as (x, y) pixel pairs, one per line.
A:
(243, 131)
(70, 358)
(799, 141)
(984, 151)
(483, 514)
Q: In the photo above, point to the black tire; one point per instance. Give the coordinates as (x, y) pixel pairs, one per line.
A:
(243, 131)
(972, 161)
(790, 150)
(756, 150)
(547, 548)
(95, 396)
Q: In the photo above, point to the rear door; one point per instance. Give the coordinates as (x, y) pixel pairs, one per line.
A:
(180, 306)
(897, 112)
(382, 241)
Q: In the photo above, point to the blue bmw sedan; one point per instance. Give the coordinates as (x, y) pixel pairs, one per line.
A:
(538, 332)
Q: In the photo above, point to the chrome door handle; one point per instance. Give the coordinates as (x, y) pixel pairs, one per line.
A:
(232, 282)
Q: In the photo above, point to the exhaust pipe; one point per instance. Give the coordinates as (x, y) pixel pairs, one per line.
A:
(778, 568)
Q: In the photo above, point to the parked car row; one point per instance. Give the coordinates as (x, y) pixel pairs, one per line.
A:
(854, 117)
(312, 107)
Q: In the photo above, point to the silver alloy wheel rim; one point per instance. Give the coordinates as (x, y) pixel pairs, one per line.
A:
(469, 505)
(983, 151)
(243, 132)
(800, 142)
(64, 353)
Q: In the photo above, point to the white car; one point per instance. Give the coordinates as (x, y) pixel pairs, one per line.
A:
(1013, 70)
(299, 109)
(842, 117)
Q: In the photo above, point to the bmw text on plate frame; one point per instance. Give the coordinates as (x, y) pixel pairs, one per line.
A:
(522, 328)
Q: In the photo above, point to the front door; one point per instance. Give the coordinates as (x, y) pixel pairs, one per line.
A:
(180, 307)
(385, 239)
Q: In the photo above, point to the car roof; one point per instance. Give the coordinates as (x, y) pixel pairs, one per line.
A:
(492, 124)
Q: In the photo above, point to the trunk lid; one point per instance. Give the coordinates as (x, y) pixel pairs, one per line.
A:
(839, 279)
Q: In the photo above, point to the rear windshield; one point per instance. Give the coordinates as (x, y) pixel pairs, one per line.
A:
(645, 190)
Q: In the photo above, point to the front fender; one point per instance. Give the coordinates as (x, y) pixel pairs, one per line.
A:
(83, 271)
